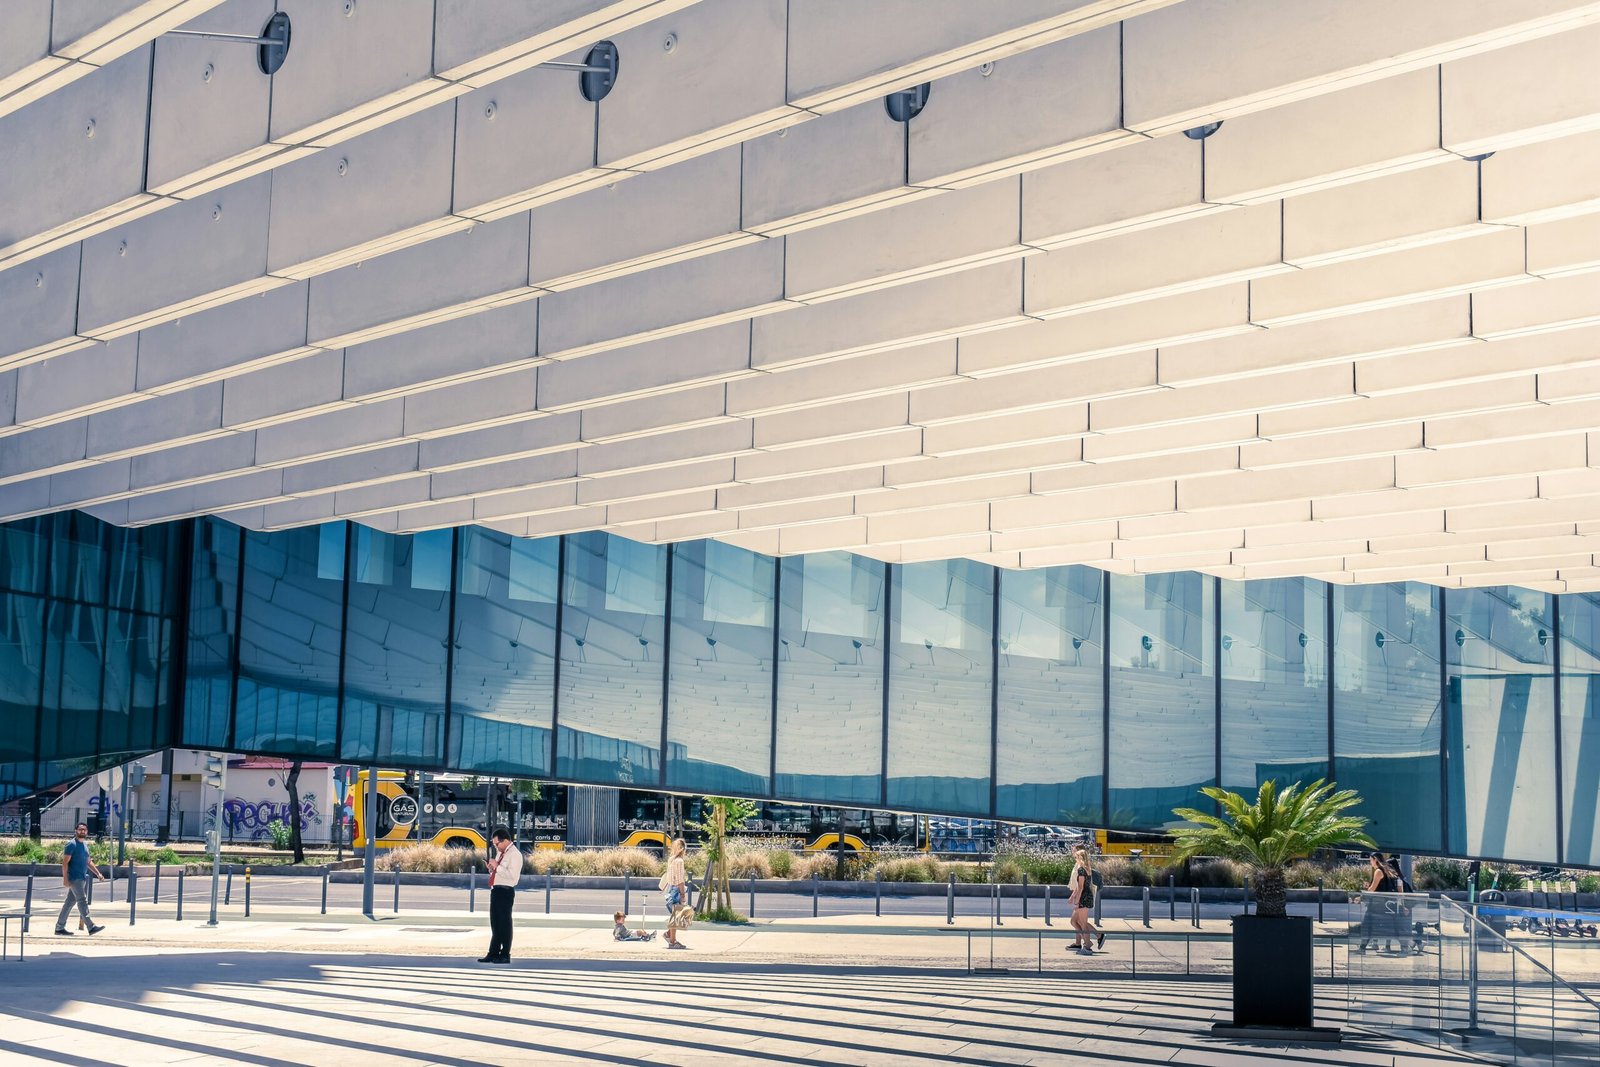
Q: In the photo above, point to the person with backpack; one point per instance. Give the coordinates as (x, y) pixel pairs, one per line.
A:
(1380, 917)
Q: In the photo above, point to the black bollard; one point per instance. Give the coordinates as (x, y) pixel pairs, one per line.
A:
(1145, 900)
(627, 886)
(227, 891)
(1047, 903)
(816, 889)
(547, 893)
(1172, 898)
(950, 903)
(1319, 900)
(247, 892)
(472, 890)
(27, 900)
(133, 893)
(324, 890)
(877, 890)
(397, 890)
(752, 914)
(180, 894)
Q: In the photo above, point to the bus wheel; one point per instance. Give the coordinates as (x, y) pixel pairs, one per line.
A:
(459, 842)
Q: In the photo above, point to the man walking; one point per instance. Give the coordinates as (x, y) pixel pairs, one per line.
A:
(505, 869)
(76, 866)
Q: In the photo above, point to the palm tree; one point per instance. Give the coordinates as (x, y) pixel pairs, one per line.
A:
(1271, 832)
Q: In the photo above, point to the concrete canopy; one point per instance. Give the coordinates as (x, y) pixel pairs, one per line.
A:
(416, 280)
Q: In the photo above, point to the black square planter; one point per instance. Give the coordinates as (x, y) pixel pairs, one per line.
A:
(1272, 972)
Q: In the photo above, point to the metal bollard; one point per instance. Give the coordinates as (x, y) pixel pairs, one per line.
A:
(999, 920)
(1194, 908)
(877, 893)
(1024, 896)
(133, 893)
(227, 890)
(547, 893)
(1047, 903)
(472, 890)
(752, 914)
(247, 892)
(1145, 900)
(950, 903)
(397, 890)
(627, 884)
(324, 890)
(155, 890)
(1097, 899)
(816, 892)
(1172, 898)
(180, 893)
(111, 893)
(27, 900)
(1319, 900)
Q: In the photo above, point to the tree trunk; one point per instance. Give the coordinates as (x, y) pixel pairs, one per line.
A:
(291, 782)
(1271, 893)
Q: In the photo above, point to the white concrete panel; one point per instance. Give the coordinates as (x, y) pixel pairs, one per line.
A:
(1173, 441)
(930, 524)
(1153, 468)
(701, 502)
(921, 238)
(1190, 254)
(479, 41)
(656, 218)
(8, 398)
(672, 299)
(103, 482)
(1268, 53)
(1189, 403)
(545, 498)
(1053, 423)
(27, 42)
(1333, 445)
(682, 408)
(669, 449)
(1476, 462)
(356, 469)
(1471, 263)
(914, 498)
(209, 103)
(1390, 502)
(234, 338)
(1015, 459)
(777, 516)
(1487, 103)
(76, 382)
(523, 140)
(1504, 358)
(920, 311)
(1408, 209)
(1145, 183)
(1031, 389)
(1044, 105)
(1583, 382)
(156, 420)
(272, 393)
(459, 271)
(456, 350)
(720, 80)
(39, 305)
(194, 255)
(96, 31)
(1402, 407)
(348, 62)
(376, 191)
(662, 365)
(1085, 506)
(808, 386)
(85, 148)
(347, 429)
(1522, 309)
(643, 484)
(525, 437)
(193, 462)
(1272, 515)
(804, 487)
(1258, 487)
(829, 167)
(1536, 182)
(480, 402)
(861, 417)
(833, 456)
(1567, 246)
(48, 448)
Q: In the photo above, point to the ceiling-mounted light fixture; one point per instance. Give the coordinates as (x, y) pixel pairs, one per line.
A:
(908, 103)
(1200, 133)
(1479, 158)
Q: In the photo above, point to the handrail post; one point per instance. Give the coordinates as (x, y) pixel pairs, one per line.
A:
(247, 892)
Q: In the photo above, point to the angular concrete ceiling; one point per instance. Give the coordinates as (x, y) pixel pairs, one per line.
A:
(415, 279)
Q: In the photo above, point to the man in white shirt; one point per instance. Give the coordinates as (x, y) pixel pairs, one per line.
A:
(505, 869)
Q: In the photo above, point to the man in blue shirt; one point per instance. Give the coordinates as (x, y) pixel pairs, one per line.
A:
(76, 866)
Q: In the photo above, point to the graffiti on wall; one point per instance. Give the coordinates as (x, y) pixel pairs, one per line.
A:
(251, 818)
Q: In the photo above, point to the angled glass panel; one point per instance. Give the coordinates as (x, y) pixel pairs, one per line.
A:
(940, 678)
(394, 649)
(22, 660)
(1386, 709)
(503, 690)
(1500, 661)
(612, 628)
(1163, 696)
(213, 622)
(830, 679)
(1051, 705)
(139, 568)
(76, 641)
(289, 634)
(116, 691)
(1580, 726)
(1274, 682)
(78, 558)
(719, 691)
(24, 549)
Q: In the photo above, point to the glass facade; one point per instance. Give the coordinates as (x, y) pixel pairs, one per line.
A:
(1469, 720)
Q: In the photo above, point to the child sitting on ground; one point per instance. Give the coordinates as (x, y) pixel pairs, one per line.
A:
(622, 933)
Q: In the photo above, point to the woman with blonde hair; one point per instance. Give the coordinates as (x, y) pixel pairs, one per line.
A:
(675, 883)
(1081, 898)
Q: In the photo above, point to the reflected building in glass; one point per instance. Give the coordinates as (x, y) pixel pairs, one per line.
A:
(1466, 718)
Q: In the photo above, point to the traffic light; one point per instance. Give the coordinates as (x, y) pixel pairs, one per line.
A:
(136, 774)
(215, 769)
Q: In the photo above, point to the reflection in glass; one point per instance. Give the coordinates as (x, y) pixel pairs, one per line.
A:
(1274, 682)
(1500, 653)
(213, 622)
(830, 678)
(24, 550)
(22, 645)
(1580, 726)
(394, 651)
(612, 625)
(289, 634)
(73, 675)
(1051, 704)
(1163, 696)
(1386, 708)
(940, 702)
(719, 694)
(502, 695)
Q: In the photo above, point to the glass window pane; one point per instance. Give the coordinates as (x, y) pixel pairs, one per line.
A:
(1386, 709)
(394, 655)
(1163, 696)
(503, 689)
(24, 547)
(22, 645)
(1580, 726)
(1274, 682)
(213, 611)
(830, 679)
(78, 557)
(289, 645)
(116, 688)
(940, 702)
(1500, 652)
(1052, 707)
(719, 694)
(73, 658)
(612, 629)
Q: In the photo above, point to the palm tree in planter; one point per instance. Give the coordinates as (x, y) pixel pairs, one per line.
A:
(1272, 970)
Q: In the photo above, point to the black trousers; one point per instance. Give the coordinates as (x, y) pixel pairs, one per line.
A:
(501, 897)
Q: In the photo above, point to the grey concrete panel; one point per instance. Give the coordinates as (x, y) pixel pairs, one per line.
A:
(351, 55)
(722, 78)
(456, 350)
(480, 402)
(26, 498)
(1142, 184)
(525, 471)
(157, 419)
(476, 40)
(336, 204)
(344, 429)
(459, 269)
(197, 250)
(8, 398)
(528, 136)
(99, 30)
(525, 437)
(669, 363)
(649, 414)
(1029, 109)
(101, 482)
(831, 165)
(376, 465)
(666, 449)
(26, 40)
(653, 218)
(670, 299)
(85, 148)
(209, 100)
(264, 395)
(77, 381)
(235, 338)
(37, 451)
(206, 497)
(38, 303)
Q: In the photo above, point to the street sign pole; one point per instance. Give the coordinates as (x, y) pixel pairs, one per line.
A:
(122, 821)
(216, 774)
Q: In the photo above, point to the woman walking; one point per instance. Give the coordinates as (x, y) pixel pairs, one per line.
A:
(1375, 919)
(1081, 898)
(675, 883)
